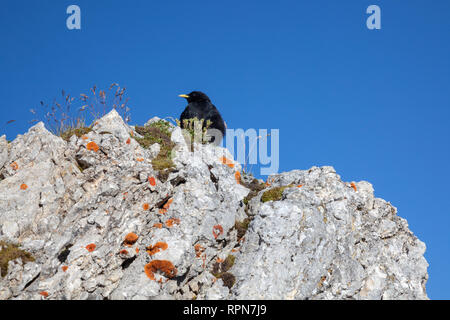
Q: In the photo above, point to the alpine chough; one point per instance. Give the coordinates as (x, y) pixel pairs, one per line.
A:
(200, 107)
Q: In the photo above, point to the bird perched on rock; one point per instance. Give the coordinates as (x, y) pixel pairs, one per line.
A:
(200, 107)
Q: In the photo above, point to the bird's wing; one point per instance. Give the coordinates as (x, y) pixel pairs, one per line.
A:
(216, 119)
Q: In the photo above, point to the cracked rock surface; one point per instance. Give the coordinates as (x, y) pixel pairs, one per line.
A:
(101, 223)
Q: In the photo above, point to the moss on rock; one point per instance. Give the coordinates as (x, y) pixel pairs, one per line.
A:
(242, 227)
(228, 279)
(274, 194)
(158, 132)
(10, 251)
(255, 187)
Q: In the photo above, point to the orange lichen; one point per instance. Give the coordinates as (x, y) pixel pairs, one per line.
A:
(158, 225)
(84, 137)
(137, 250)
(123, 251)
(125, 194)
(139, 159)
(145, 206)
(64, 268)
(237, 176)
(168, 203)
(171, 222)
(130, 239)
(91, 247)
(152, 181)
(92, 146)
(164, 266)
(227, 162)
(218, 260)
(14, 165)
(198, 250)
(162, 211)
(132, 133)
(44, 294)
(217, 231)
(159, 246)
(23, 186)
(128, 141)
(353, 186)
(299, 186)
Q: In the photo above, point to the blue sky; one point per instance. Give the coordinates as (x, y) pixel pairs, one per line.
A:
(374, 104)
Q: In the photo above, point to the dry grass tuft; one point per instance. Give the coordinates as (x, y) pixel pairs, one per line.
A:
(70, 116)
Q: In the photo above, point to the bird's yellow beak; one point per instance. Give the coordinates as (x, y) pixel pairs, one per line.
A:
(184, 96)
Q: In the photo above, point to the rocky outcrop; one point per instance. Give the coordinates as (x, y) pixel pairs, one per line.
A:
(101, 223)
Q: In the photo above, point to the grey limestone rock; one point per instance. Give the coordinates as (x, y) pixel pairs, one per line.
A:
(102, 224)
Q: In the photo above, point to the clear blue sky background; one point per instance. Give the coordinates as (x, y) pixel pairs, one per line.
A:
(373, 104)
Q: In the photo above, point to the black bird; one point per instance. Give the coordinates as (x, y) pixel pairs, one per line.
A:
(200, 107)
